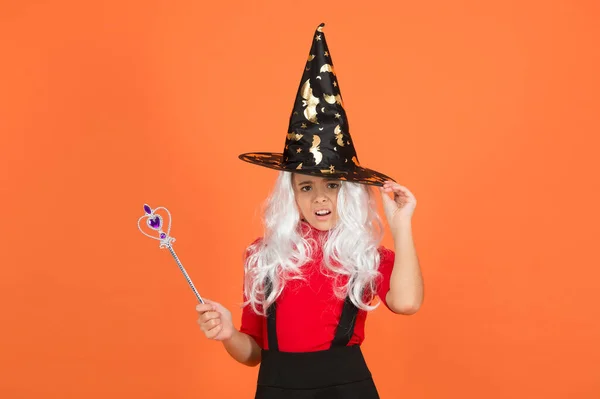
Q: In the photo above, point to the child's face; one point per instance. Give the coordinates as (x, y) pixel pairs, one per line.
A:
(316, 198)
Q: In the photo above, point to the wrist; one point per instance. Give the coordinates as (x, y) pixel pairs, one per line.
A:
(402, 226)
(227, 341)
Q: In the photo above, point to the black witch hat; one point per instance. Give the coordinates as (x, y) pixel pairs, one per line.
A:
(318, 140)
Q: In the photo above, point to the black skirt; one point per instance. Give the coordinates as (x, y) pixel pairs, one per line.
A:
(337, 373)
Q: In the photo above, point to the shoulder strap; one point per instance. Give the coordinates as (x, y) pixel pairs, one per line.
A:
(271, 319)
(345, 328)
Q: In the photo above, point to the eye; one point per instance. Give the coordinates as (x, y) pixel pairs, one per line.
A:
(305, 188)
(333, 185)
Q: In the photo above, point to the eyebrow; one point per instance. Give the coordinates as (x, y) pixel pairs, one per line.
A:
(310, 182)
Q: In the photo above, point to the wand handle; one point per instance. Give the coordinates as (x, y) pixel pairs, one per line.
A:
(185, 273)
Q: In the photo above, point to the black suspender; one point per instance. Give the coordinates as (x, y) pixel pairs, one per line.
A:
(345, 328)
(271, 319)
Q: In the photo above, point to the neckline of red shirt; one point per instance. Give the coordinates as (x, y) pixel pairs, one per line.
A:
(311, 231)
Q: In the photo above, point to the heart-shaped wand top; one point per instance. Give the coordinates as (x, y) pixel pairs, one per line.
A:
(155, 222)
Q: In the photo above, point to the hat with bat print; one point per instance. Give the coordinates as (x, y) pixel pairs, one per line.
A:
(318, 141)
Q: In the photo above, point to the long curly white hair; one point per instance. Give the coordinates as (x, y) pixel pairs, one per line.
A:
(350, 248)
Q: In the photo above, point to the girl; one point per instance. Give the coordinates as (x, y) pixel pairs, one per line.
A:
(311, 280)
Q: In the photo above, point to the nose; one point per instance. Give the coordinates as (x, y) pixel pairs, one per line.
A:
(320, 196)
(320, 199)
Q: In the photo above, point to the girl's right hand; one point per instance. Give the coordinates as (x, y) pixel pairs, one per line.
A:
(214, 320)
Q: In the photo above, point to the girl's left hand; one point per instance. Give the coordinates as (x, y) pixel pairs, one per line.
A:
(400, 209)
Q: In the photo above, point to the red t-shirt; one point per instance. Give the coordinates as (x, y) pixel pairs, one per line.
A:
(308, 310)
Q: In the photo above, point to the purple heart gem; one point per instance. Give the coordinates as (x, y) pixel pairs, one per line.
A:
(154, 222)
(147, 209)
(163, 235)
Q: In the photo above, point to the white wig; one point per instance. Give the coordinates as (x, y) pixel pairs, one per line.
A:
(350, 249)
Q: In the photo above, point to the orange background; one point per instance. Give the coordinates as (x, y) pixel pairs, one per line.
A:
(487, 111)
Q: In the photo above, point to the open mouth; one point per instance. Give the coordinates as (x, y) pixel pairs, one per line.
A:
(321, 213)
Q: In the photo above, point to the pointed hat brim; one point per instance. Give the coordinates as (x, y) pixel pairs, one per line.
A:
(357, 174)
